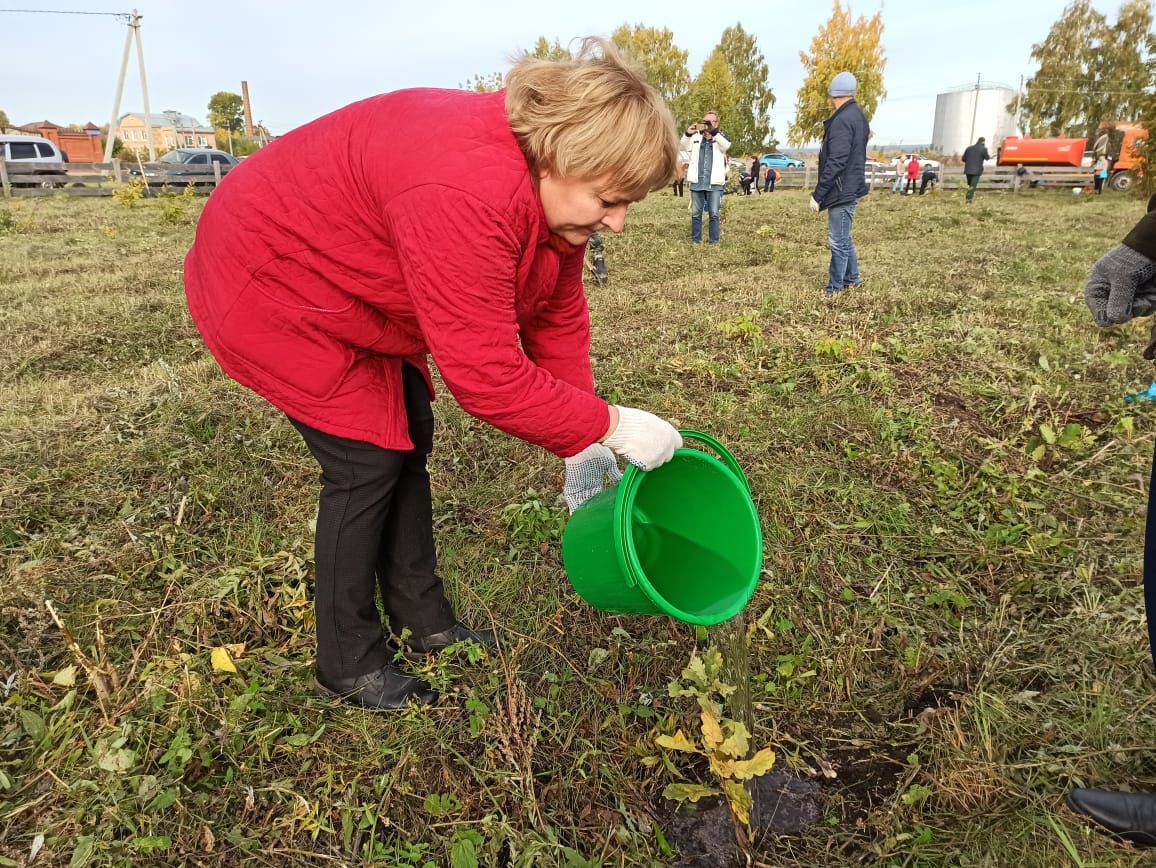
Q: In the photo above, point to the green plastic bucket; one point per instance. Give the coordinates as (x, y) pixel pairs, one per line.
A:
(681, 540)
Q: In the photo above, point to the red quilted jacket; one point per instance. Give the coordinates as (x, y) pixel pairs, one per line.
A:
(398, 226)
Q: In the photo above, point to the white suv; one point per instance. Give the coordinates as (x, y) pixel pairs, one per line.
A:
(33, 149)
(29, 149)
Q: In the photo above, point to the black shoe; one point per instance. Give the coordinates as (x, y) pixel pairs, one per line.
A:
(1132, 816)
(601, 272)
(459, 632)
(387, 687)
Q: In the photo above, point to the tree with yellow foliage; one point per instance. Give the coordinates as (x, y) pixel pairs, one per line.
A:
(840, 45)
(663, 63)
(714, 90)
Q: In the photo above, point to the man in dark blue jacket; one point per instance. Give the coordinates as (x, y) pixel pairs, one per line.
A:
(973, 159)
(842, 161)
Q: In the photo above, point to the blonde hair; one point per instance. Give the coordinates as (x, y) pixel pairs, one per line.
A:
(592, 116)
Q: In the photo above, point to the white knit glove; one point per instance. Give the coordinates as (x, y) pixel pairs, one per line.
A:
(814, 204)
(585, 473)
(643, 439)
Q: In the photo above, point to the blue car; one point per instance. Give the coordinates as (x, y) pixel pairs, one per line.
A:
(781, 161)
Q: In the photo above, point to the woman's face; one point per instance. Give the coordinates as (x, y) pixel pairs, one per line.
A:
(577, 208)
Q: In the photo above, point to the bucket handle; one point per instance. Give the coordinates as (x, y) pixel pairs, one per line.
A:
(728, 459)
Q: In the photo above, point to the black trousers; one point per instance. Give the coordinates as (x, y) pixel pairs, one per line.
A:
(375, 532)
(679, 184)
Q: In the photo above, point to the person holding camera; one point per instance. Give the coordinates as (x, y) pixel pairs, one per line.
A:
(324, 285)
(706, 148)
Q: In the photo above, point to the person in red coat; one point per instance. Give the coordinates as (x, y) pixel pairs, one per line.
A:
(329, 265)
(912, 175)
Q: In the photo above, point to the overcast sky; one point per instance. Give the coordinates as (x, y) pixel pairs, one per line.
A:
(304, 59)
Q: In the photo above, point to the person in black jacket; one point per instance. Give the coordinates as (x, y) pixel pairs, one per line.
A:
(1122, 286)
(973, 158)
(842, 162)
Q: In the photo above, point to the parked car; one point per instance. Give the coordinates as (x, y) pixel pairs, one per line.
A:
(923, 161)
(16, 150)
(781, 161)
(192, 163)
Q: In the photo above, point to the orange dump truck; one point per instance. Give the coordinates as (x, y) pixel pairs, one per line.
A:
(1076, 153)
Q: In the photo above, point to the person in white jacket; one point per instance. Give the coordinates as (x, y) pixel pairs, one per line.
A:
(705, 148)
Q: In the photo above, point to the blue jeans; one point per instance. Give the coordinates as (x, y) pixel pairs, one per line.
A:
(712, 201)
(844, 269)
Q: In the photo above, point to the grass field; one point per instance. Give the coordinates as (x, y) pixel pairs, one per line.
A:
(949, 634)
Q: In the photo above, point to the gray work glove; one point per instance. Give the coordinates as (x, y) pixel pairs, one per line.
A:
(1122, 286)
(585, 473)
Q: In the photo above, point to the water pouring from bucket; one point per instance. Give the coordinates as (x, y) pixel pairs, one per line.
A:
(681, 540)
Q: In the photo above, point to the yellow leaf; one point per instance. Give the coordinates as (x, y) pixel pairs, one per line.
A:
(722, 765)
(738, 743)
(687, 792)
(740, 801)
(66, 677)
(222, 662)
(712, 733)
(237, 650)
(759, 764)
(678, 741)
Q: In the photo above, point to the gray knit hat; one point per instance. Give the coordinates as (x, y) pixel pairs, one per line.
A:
(842, 85)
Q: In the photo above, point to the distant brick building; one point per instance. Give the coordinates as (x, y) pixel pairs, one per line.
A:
(170, 130)
(78, 146)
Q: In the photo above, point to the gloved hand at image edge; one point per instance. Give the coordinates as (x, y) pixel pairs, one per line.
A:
(643, 439)
(1122, 286)
(585, 473)
(814, 204)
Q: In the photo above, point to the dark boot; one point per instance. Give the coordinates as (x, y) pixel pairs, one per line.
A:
(1132, 816)
(597, 260)
(601, 272)
(459, 632)
(387, 687)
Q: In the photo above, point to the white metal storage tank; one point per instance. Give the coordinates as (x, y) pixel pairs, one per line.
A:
(964, 114)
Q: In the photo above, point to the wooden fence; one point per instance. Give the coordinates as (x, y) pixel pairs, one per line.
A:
(101, 179)
(952, 177)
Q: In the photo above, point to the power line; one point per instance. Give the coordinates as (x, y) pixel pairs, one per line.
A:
(122, 17)
(65, 12)
(1090, 92)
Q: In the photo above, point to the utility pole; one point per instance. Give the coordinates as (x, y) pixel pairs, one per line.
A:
(975, 106)
(1019, 102)
(247, 108)
(144, 85)
(133, 30)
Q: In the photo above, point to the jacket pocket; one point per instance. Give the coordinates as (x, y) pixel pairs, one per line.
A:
(284, 348)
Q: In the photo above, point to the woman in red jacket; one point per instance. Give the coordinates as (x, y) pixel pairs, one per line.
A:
(912, 175)
(328, 265)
